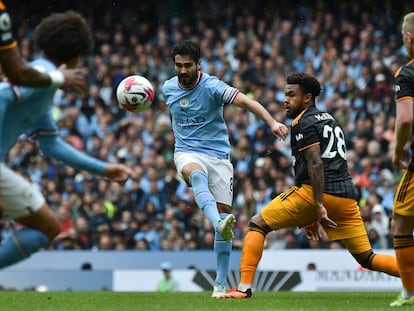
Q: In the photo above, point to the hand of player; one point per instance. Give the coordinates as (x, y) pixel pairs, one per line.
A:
(280, 130)
(314, 232)
(119, 173)
(401, 159)
(323, 218)
(74, 80)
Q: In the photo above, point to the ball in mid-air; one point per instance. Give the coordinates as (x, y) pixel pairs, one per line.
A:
(135, 93)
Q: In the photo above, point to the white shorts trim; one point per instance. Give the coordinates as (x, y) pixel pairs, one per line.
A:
(219, 173)
(18, 197)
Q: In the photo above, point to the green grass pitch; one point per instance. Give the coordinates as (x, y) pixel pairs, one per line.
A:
(149, 301)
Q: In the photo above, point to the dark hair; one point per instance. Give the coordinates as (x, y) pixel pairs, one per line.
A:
(306, 82)
(187, 47)
(63, 36)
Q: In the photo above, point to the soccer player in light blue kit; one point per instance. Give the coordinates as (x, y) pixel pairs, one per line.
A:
(62, 38)
(202, 147)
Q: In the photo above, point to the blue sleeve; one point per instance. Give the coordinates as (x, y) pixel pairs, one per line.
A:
(223, 93)
(55, 147)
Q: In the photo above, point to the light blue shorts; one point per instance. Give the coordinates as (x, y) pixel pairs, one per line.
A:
(18, 197)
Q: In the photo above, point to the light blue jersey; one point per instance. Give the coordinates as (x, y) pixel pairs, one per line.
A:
(197, 115)
(25, 110)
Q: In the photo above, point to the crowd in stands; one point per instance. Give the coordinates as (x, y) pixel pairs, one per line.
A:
(352, 47)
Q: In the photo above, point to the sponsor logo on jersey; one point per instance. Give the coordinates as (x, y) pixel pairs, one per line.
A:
(298, 136)
(397, 88)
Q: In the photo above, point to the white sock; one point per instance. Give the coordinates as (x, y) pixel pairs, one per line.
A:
(406, 294)
(243, 287)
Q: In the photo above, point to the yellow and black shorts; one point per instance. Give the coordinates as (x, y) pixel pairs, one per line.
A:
(296, 207)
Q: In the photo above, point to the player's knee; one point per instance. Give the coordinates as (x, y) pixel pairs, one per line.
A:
(258, 226)
(46, 222)
(53, 230)
(223, 208)
(365, 259)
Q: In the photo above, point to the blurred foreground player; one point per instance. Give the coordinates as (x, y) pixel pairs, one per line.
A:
(18, 70)
(61, 38)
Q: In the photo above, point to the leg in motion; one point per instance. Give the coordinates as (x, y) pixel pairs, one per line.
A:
(251, 254)
(222, 248)
(402, 228)
(41, 228)
(204, 198)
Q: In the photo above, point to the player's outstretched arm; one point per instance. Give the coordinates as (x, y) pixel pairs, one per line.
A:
(119, 173)
(55, 147)
(18, 72)
(278, 129)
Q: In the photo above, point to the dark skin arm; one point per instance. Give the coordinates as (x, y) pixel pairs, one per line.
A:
(19, 72)
(317, 178)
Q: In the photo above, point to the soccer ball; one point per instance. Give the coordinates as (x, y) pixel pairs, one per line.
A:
(135, 93)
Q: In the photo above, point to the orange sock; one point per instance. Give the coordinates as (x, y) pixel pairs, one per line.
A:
(385, 263)
(404, 251)
(251, 254)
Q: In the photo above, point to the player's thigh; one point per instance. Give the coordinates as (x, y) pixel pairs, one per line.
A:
(404, 197)
(186, 163)
(358, 244)
(345, 212)
(288, 209)
(220, 179)
(44, 220)
(19, 197)
(219, 173)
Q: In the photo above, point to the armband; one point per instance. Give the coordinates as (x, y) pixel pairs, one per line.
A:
(57, 78)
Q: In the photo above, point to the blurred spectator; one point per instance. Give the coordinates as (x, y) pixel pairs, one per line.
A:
(64, 217)
(99, 221)
(167, 283)
(105, 241)
(142, 245)
(147, 233)
(156, 197)
(380, 223)
(83, 230)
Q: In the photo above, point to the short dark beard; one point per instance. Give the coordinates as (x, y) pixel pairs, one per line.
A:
(191, 84)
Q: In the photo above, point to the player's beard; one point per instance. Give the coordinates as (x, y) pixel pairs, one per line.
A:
(188, 80)
(290, 113)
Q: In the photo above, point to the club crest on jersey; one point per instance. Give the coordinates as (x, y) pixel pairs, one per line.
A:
(5, 22)
(184, 102)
